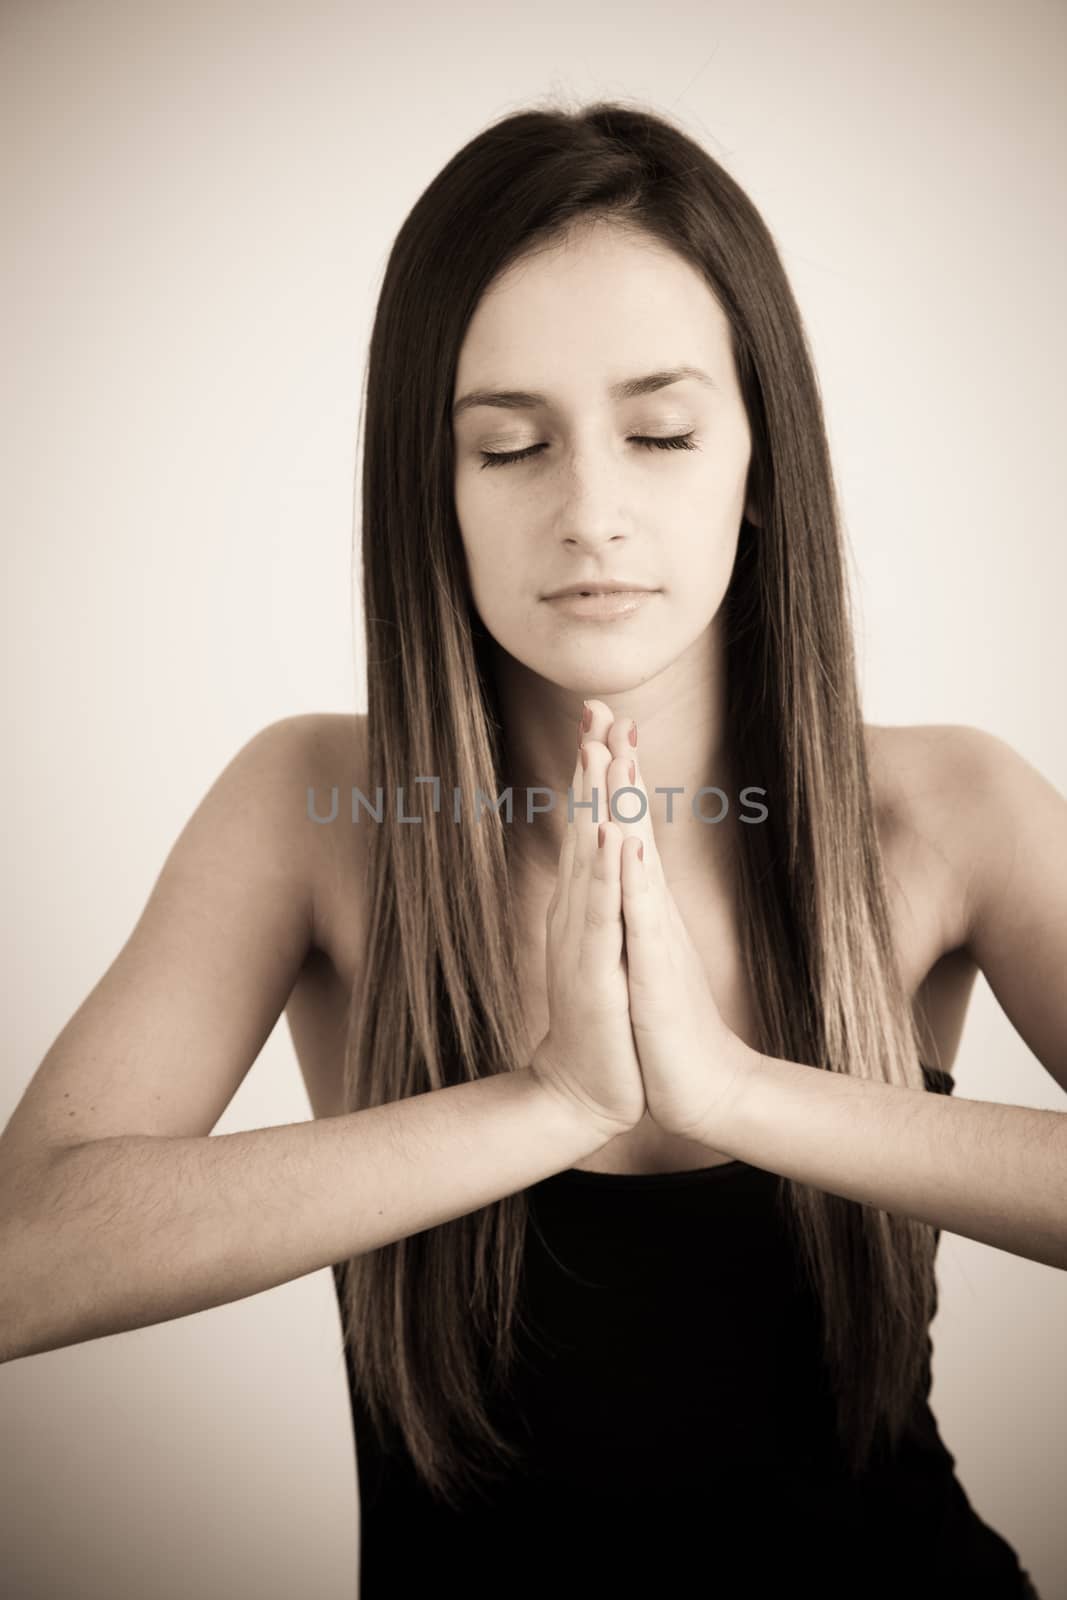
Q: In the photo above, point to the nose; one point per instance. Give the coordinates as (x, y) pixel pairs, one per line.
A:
(590, 513)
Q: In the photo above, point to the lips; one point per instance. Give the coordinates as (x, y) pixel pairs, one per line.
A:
(606, 606)
(605, 587)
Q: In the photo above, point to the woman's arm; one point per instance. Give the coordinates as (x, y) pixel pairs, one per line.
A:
(119, 1208)
(996, 1173)
(122, 1232)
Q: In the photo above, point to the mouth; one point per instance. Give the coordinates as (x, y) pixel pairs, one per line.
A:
(603, 605)
(601, 586)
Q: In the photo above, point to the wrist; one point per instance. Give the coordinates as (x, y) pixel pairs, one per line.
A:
(590, 1124)
(732, 1108)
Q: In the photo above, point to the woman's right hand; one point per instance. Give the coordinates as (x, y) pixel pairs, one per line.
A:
(588, 1054)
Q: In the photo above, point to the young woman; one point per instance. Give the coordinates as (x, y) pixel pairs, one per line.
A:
(624, 1155)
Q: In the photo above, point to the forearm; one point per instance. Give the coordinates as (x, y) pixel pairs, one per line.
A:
(124, 1232)
(995, 1173)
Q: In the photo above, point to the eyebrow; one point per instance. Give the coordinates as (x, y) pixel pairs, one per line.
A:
(628, 389)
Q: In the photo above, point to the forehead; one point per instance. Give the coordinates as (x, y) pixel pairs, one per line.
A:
(600, 299)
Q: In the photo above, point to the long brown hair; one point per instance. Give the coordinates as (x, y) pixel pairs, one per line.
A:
(438, 1002)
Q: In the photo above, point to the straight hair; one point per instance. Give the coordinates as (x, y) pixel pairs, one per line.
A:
(431, 1318)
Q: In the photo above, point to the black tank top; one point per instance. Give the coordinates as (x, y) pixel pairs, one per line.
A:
(676, 1424)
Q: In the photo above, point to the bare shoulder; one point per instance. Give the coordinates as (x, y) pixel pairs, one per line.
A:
(917, 767)
(328, 757)
(1002, 824)
(331, 745)
(161, 1043)
(283, 773)
(939, 790)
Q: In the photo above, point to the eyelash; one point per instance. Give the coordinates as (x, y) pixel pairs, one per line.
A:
(503, 458)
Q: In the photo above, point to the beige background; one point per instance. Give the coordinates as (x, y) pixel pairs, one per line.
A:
(198, 203)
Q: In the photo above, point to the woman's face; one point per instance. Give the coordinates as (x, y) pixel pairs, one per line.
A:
(547, 345)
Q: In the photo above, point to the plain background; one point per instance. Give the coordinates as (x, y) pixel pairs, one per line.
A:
(198, 203)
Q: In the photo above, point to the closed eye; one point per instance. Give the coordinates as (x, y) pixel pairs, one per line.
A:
(503, 458)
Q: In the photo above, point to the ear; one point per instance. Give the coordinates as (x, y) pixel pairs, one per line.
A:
(752, 514)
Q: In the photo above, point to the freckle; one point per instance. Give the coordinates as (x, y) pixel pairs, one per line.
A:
(66, 1096)
(71, 1113)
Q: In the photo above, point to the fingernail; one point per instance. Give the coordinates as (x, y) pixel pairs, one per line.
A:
(632, 778)
(587, 718)
(633, 735)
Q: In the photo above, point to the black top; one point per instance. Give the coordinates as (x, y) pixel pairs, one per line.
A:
(677, 1424)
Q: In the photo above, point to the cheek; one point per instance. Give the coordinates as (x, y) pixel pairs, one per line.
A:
(491, 570)
(472, 526)
(702, 555)
(492, 534)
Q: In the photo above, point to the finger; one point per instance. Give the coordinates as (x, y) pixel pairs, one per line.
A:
(602, 934)
(621, 737)
(652, 864)
(566, 855)
(668, 917)
(642, 919)
(634, 814)
(622, 811)
(602, 719)
(586, 820)
(594, 739)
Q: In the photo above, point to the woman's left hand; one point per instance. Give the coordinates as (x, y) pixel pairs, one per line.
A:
(692, 1062)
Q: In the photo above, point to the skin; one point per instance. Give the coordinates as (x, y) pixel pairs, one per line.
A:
(567, 322)
(593, 502)
(974, 823)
